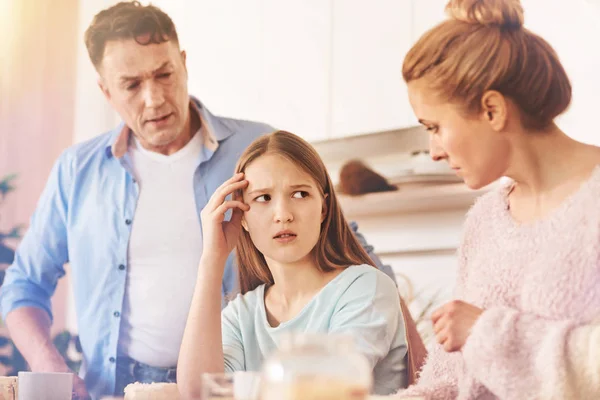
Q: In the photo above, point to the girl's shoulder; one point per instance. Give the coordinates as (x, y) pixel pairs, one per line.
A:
(365, 280)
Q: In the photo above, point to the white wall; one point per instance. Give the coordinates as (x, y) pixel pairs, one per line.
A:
(93, 114)
(573, 29)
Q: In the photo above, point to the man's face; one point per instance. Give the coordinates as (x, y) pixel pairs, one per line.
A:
(147, 86)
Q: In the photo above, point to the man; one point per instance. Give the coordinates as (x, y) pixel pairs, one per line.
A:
(123, 209)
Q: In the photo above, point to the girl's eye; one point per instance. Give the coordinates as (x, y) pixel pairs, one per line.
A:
(263, 198)
(300, 194)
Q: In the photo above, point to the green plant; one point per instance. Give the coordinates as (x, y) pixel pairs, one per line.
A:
(67, 344)
(6, 253)
(69, 347)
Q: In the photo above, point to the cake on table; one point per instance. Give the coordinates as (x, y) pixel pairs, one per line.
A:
(151, 391)
(9, 388)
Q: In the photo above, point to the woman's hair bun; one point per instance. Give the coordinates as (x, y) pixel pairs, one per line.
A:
(501, 13)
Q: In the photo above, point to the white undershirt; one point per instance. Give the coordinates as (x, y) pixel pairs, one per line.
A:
(164, 252)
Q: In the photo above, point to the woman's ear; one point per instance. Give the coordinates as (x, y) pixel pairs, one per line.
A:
(495, 109)
(324, 209)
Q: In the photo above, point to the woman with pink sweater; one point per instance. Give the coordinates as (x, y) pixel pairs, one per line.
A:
(488, 90)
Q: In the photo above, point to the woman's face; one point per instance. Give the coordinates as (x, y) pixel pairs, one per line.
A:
(474, 150)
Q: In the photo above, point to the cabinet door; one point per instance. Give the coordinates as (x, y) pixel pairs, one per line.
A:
(262, 60)
(426, 15)
(370, 40)
(223, 40)
(295, 93)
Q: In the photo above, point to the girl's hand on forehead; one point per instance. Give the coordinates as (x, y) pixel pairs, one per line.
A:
(220, 236)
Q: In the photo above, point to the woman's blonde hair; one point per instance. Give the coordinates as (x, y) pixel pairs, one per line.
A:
(484, 46)
(337, 246)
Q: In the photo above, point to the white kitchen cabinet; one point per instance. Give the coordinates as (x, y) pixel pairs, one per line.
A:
(295, 90)
(223, 40)
(370, 40)
(317, 68)
(261, 60)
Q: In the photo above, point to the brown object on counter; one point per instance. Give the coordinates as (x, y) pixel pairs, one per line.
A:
(357, 178)
(9, 388)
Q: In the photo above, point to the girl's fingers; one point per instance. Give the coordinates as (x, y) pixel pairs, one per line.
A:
(236, 216)
(223, 191)
(230, 204)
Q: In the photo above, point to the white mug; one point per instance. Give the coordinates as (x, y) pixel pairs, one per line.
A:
(246, 385)
(45, 386)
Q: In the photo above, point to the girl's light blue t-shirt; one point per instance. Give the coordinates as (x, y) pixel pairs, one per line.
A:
(361, 301)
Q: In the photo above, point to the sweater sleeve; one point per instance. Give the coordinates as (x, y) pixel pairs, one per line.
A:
(438, 378)
(505, 340)
(582, 366)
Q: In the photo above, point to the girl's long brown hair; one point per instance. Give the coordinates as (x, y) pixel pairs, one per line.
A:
(337, 246)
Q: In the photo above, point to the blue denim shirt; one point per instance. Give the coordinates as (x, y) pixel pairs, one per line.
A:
(84, 218)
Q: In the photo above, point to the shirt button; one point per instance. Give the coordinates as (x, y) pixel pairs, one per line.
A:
(117, 314)
(121, 267)
(112, 359)
(128, 221)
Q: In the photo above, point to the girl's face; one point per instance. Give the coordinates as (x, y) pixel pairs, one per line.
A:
(476, 151)
(286, 209)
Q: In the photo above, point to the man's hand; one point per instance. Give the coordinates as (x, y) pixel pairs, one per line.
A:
(30, 329)
(79, 390)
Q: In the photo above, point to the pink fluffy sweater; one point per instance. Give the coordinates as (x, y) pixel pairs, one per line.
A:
(536, 282)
